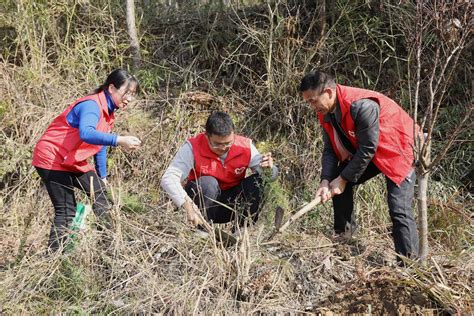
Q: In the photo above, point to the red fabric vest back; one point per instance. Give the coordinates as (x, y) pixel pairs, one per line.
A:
(394, 155)
(207, 163)
(61, 148)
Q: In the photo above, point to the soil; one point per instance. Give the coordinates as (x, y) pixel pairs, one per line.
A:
(379, 296)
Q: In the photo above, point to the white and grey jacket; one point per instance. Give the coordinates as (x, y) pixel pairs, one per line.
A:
(183, 163)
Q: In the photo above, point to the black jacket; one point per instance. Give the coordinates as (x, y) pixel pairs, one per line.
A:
(365, 114)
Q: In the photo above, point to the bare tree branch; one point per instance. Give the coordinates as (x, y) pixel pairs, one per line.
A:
(461, 126)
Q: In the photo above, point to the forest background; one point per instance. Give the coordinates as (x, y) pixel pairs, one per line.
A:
(246, 58)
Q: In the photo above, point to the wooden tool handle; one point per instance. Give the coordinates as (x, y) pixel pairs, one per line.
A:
(305, 209)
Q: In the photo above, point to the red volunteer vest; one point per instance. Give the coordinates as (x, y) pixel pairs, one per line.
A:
(61, 148)
(394, 154)
(207, 163)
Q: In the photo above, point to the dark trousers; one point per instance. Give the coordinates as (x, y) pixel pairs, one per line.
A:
(242, 200)
(399, 198)
(60, 186)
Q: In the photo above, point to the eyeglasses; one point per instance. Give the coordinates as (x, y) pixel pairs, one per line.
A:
(129, 95)
(221, 145)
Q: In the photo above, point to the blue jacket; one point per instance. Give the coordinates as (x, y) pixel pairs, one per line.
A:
(85, 116)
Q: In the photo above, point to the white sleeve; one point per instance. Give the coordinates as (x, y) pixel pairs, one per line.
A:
(177, 172)
(256, 159)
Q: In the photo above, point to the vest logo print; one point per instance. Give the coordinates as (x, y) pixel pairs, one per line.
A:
(239, 170)
(395, 129)
(228, 173)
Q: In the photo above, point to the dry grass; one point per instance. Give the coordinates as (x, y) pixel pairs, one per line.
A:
(155, 263)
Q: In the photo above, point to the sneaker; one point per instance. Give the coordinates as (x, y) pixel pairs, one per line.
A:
(348, 234)
(201, 232)
(239, 232)
(351, 230)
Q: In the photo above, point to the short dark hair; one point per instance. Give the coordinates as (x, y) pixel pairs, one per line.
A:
(219, 123)
(317, 80)
(118, 78)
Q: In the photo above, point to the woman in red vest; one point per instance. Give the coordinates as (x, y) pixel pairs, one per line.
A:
(365, 133)
(80, 132)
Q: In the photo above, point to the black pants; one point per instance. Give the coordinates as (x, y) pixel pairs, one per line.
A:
(244, 199)
(60, 186)
(399, 198)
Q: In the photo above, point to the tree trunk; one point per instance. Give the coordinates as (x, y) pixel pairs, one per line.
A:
(329, 12)
(423, 177)
(271, 16)
(322, 19)
(132, 32)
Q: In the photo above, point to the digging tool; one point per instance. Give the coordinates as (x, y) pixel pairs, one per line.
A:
(279, 211)
(279, 214)
(225, 238)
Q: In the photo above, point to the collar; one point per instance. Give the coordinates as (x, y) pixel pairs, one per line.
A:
(110, 102)
(336, 112)
(224, 156)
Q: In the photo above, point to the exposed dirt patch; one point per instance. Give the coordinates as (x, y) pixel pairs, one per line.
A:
(380, 296)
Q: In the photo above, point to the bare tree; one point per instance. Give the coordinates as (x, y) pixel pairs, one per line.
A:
(132, 32)
(442, 31)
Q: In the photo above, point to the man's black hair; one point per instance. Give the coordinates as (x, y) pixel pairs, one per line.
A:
(219, 123)
(317, 80)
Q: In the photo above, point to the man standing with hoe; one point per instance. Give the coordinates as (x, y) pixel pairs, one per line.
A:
(364, 133)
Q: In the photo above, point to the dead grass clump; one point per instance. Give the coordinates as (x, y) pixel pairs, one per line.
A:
(197, 62)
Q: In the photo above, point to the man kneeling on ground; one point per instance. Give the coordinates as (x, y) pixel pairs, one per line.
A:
(213, 166)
